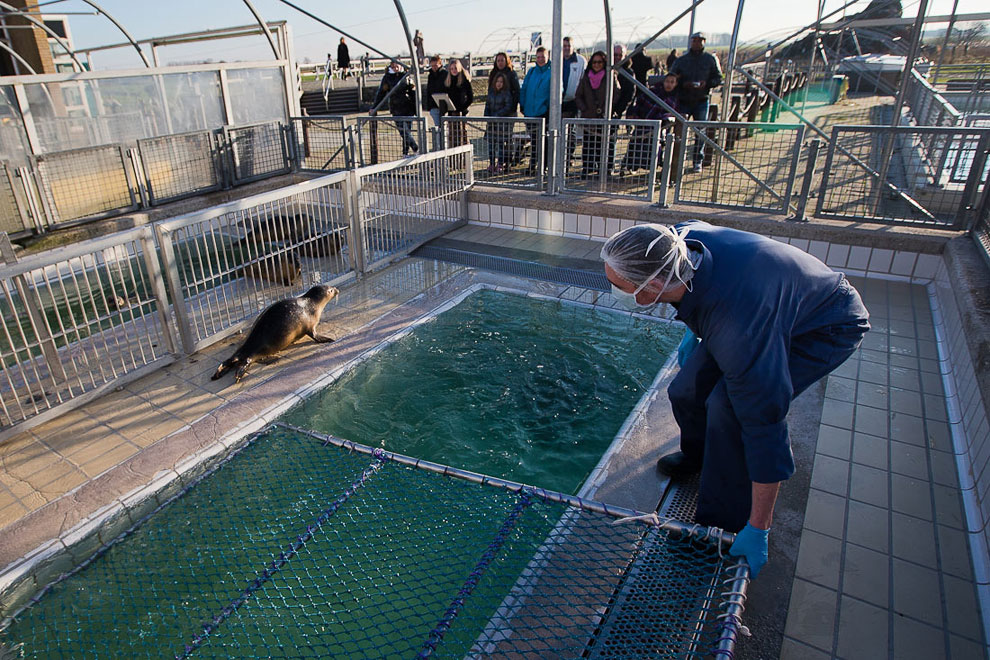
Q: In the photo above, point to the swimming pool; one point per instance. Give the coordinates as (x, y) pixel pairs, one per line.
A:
(527, 389)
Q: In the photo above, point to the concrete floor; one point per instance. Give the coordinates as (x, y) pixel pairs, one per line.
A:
(868, 556)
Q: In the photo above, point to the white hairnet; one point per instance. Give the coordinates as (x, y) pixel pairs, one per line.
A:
(643, 253)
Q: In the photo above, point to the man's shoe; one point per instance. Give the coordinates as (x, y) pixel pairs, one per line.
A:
(696, 169)
(678, 465)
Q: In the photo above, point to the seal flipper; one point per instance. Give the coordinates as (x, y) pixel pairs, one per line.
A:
(226, 366)
(319, 339)
(243, 369)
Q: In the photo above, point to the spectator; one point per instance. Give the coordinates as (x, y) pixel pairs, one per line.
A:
(590, 100)
(434, 85)
(457, 85)
(627, 87)
(401, 103)
(499, 104)
(503, 65)
(699, 73)
(641, 64)
(366, 63)
(420, 51)
(343, 59)
(638, 154)
(574, 66)
(671, 59)
(534, 99)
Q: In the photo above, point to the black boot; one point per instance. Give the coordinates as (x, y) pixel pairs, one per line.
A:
(678, 465)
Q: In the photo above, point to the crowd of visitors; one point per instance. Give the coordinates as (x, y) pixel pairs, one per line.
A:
(685, 89)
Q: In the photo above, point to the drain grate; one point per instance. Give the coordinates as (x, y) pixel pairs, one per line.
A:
(530, 269)
(681, 500)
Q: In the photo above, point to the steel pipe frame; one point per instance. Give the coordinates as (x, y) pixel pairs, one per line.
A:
(120, 27)
(40, 24)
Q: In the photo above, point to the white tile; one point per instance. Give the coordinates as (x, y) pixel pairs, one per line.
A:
(543, 220)
(598, 226)
(926, 266)
(556, 222)
(880, 260)
(903, 263)
(819, 250)
(519, 217)
(533, 218)
(611, 226)
(584, 225)
(626, 223)
(570, 223)
(800, 243)
(859, 258)
(780, 239)
(837, 255)
(484, 213)
(473, 211)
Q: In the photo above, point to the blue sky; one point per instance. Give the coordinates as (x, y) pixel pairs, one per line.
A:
(449, 26)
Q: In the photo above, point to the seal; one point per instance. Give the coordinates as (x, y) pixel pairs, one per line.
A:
(283, 268)
(278, 327)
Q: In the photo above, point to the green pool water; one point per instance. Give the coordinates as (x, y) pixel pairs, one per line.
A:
(526, 389)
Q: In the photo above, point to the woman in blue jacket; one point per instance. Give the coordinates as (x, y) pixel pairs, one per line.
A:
(534, 100)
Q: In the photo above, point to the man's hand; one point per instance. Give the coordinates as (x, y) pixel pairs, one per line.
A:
(752, 543)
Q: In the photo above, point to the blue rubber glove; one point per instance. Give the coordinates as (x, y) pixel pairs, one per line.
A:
(751, 543)
(686, 347)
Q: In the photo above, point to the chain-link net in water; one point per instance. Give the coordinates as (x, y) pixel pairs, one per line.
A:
(295, 548)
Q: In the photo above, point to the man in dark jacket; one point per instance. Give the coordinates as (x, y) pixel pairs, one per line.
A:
(641, 65)
(699, 73)
(343, 59)
(434, 85)
(401, 103)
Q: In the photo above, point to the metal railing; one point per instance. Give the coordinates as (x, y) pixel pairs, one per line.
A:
(508, 151)
(86, 184)
(77, 321)
(754, 168)
(321, 144)
(615, 157)
(178, 166)
(927, 105)
(385, 139)
(935, 177)
(256, 151)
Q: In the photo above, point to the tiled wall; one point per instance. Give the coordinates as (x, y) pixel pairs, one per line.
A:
(854, 260)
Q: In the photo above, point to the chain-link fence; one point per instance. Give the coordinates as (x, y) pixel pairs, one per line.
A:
(738, 164)
(508, 151)
(177, 166)
(612, 157)
(321, 144)
(81, 321)
(86, 183)
(384, 139)
(256, 151)
(934, 177)
(228, 263)
(404, 204)
(315, 546)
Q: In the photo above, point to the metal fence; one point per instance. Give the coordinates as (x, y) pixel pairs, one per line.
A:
(321, 144)
(508, 151)
(11, 215)
(746, 165)
(402, 205)
(256, 151)
(177, 166)
(384, 139)
(79, 321)
(934, 177)
(613, 157)
(87, 183)
(927, 105)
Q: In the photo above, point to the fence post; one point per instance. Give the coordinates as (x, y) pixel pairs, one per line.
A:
(800, 214)
(679, 165)
(157, 285)
(651, 178)
(541, 154)
(23, 207)
(34, 198)
(973, 181)
(830, 156)
(795, 157)
(171, 270)
(139, 178)
(554, 176)
(354, 212)
(668, 163)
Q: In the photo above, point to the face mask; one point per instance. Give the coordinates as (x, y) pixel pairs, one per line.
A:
(628, 300)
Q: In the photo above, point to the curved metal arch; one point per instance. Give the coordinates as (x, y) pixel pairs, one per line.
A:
(412, 58)
(612, 65)
(18, 12)
(120, 27)
(264, 29)
(13, 53)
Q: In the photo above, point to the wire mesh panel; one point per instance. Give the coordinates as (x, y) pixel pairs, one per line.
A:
(508, 151)
(226, 264)
(741, 164)
(86, 183)
(933, 177)
(256, 151)
(73, 323)
(615, 157)
(177, 166)
(297, 546)
(406, 203)
(928, 107)
(12, 220)
(321, 143)
(384, 139)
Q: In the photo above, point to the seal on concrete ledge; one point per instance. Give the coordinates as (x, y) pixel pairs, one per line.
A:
(278, 327)
(283, 268)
